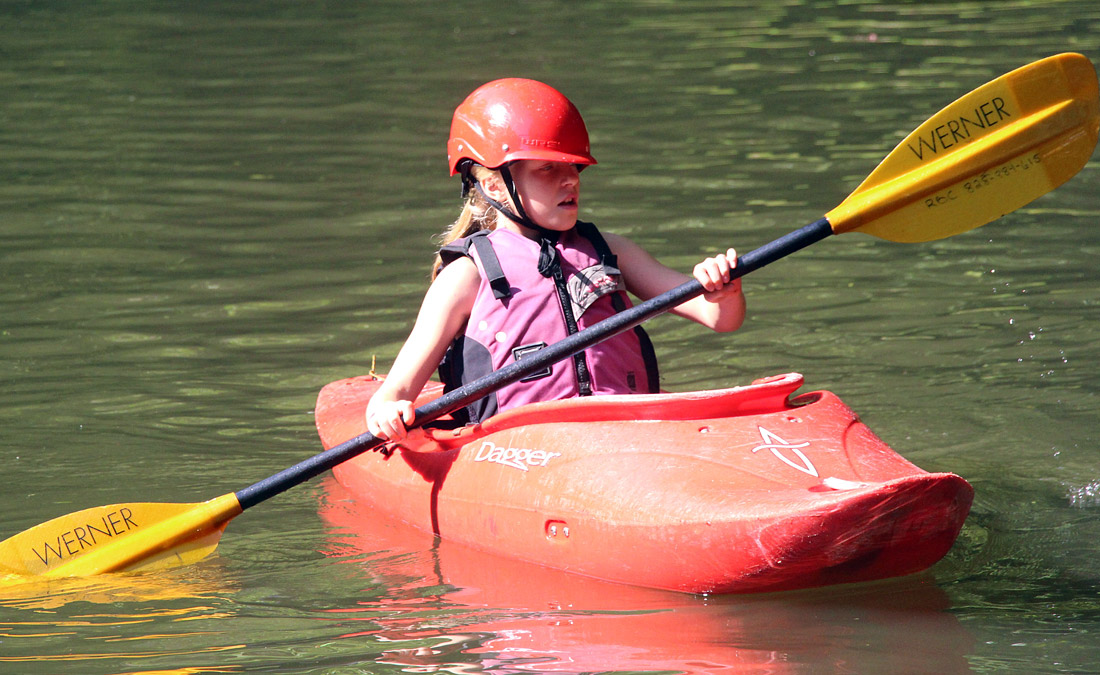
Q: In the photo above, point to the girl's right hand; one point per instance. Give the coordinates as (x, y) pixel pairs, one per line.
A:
(389, 420)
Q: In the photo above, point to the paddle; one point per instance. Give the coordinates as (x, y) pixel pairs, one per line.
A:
(989, 153)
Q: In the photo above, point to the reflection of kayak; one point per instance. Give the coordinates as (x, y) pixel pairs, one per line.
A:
(735, 490)
(511, 616)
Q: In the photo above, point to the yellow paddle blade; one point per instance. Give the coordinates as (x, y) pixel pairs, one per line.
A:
(119, 537)
(992, 151)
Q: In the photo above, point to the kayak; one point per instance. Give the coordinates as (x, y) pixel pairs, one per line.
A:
(746, 489)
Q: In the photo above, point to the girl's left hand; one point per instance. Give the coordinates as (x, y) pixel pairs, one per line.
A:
(714, 275)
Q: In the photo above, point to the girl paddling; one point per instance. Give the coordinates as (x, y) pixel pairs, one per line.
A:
(518, 271)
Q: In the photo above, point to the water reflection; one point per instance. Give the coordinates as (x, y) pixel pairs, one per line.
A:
(115, 617)
(194, 582)
(448, 607)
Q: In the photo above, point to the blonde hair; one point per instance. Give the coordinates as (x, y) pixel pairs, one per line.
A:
(477, 214)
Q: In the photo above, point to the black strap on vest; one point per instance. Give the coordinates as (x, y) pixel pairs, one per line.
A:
(489, 262)
(580, 363)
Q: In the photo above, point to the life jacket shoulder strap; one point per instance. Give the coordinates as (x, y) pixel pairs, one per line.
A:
(490, 264)
(603, 250)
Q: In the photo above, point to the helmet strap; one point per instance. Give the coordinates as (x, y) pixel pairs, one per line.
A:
(468, 180)
(548, 255)
(524, 219)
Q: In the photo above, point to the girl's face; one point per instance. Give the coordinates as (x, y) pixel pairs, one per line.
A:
(550, 192)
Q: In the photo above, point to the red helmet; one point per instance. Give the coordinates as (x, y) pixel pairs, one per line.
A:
(513, 118)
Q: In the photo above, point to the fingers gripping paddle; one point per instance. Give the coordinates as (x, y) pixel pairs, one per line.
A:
(989, 153)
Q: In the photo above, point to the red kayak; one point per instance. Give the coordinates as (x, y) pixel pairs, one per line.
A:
(736, 490)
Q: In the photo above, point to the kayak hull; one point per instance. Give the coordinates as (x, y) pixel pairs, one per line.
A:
(738, 490)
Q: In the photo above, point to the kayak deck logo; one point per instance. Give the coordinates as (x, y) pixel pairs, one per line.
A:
(516, 458)
(773, 442)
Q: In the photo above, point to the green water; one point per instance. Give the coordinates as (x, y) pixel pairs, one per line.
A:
(212, 209)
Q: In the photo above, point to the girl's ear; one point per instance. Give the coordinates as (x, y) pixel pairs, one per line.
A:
(493, 184)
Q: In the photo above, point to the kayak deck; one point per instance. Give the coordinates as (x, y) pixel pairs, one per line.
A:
(734, 490)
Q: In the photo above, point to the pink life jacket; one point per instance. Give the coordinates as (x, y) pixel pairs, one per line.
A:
(518, 310)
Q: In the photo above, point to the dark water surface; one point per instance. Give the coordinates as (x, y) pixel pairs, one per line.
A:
(212, 209)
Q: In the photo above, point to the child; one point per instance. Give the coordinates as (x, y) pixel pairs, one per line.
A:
(518, 271)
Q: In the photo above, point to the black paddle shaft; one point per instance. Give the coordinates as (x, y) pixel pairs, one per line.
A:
(513, 372)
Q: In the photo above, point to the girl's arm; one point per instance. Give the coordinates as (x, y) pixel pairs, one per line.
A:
(444, 312)
(721, 308)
